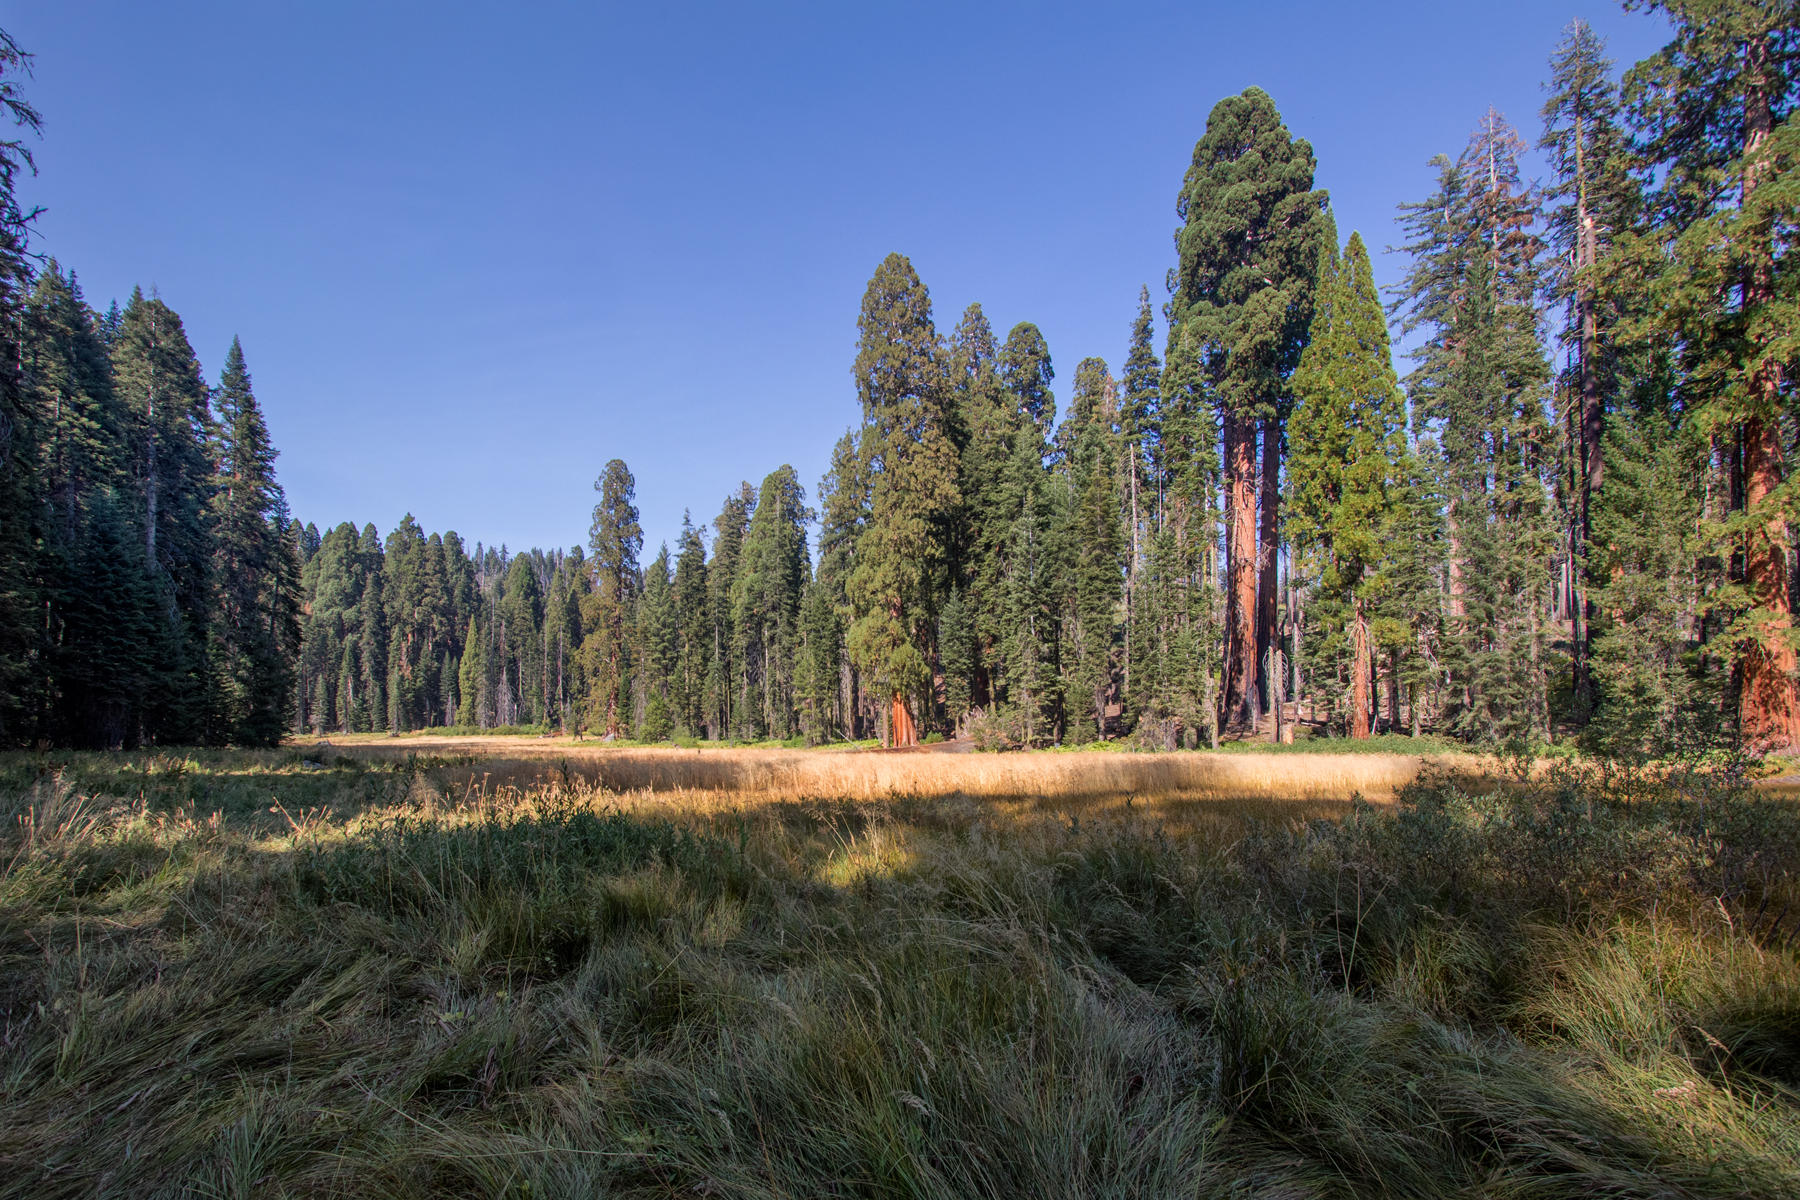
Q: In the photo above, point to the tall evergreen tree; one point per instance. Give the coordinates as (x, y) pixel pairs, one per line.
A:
(614, 538)
(694, 626)
(20, 486)
(169, 427)
(1253, 229)
(765, 600)
(1347, 435)
(255, 607)
(1713, 113)
(1593, 199)
(901, 554)
(725, 682)
(1094, 549)
(1140, 422)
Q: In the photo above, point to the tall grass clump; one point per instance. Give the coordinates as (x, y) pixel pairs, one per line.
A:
(278, 975)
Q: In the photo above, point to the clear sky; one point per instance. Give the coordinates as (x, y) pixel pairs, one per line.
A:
(475, 250)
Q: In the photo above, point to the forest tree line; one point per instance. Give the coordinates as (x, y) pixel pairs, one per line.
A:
(1569, 516)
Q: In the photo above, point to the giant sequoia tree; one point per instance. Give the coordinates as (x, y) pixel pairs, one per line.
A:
(1248, 249)
(1715, 115)
(911, 463)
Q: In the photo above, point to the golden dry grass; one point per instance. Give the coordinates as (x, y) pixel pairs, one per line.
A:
(853, 775)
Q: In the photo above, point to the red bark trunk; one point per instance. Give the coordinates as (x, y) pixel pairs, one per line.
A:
(1768, 715)
(901, 730)
(1240, 569)
(1267, 580)
(1360, 682)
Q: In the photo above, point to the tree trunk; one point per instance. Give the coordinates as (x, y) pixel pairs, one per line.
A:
(901, 730)
(1393, 690)
(1360, 681)
(1240, 592)
(1267, 550)
(1768, 715)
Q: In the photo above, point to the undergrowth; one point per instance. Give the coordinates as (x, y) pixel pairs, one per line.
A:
(276, 975)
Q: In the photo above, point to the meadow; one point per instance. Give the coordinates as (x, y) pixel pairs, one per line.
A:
(516, 970)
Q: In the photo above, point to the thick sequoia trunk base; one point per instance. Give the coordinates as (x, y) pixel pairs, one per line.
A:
(1768, 715)
(901, 730)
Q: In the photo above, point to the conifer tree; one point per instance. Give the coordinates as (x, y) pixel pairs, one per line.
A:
(1593, 199)
(1346, 433)
(659, 642)
(1479, 393)
(765, 600)
(987, 418)
(1713, 113)
(521, 613)
(169, 426)
(816, 673)
(901, 554)
(614, 540)
(694, 625)
(471, 680)
(725, 690)
(1253, 229)
(255, 606)
(370, 646)
(20, 486)
(1140, 423)
(843, 514)
(1093, 548)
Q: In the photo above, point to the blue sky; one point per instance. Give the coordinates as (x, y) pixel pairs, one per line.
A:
(475, 251)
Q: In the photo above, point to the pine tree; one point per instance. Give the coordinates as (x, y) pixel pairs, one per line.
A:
(614, 539)
(472, 680)
(1182, 695)
(1593, 200)
(958, 654)
(843, 514)
(370, 645)
(725, 695)
(521, 613)
(1654, 700)
(765, 600)
(255, 605)
(1479, 396)
(1347, 433)
(1093, 548)
(816, 673)
(694, 623)
(1140, 422)
(987, 418)
(169, 426)
(21, 488)
(659, 639)
(902, 554)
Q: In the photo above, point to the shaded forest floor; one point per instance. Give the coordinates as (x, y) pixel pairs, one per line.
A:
(354, 972)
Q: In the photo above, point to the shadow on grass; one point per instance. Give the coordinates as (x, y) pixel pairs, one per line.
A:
(546, 990)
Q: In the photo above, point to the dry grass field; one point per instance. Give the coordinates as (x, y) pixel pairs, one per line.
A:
(516, 970)
(872, 775)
